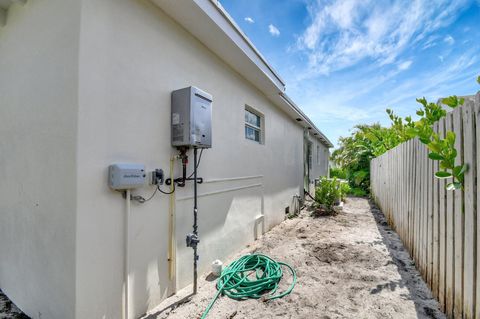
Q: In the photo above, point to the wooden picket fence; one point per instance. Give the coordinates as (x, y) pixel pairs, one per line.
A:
(439, 227)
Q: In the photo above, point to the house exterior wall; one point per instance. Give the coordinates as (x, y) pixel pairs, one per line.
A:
(320, 160)
(320, 155)
(132, 57)
(38, 114)
(84, 84)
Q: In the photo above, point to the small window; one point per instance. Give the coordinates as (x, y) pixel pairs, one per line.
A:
(253, 126)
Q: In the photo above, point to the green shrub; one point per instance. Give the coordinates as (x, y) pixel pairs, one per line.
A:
(359, 192)
(338, 173)
(345, 189)
(329, 192)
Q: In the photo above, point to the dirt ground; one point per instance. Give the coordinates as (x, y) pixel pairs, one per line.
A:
(8, 310)
(349, 266)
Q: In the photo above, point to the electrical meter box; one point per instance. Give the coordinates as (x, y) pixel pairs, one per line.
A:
(191, 118)
(126, 176)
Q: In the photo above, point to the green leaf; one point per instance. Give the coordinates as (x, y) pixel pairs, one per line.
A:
(424, 140)
(450, 137)
(454, 154)
(459, 170)
(451, 101)
(443, 164)
(422, 101)
(420, 113)
(411, 132)
(435, 156)
(461, 101)
(453, 186)
(443, 174)
(478, 79)
(434, 147)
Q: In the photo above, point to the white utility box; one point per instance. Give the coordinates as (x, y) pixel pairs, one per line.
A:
(126, 176)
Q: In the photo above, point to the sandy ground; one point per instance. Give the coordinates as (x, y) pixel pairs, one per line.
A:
(349, 266)
(8, 310)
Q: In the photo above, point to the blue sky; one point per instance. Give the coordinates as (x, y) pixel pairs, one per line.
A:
(345, 62)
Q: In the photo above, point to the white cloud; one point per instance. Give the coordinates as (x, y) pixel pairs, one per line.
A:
(405, 65)
(430, 42)
(441, 58)
(249, 20)
(343, 33)
(449, 40)
(337, 103)
(273, 30)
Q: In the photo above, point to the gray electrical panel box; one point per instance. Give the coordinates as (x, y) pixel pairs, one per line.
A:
(126, 176)
(191, 118)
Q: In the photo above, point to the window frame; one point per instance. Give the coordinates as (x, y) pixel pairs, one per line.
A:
(260, 129)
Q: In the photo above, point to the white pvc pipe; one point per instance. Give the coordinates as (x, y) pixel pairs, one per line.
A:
(126, 260)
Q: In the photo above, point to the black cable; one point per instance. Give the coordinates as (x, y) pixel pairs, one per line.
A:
(197, 164)
(141, 199)
(167, 193)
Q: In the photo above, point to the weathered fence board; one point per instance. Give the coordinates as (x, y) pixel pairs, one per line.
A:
(443, 231)
(457, 126)
(439, 228)
(436, 229)
(450, 283)
(469, 151)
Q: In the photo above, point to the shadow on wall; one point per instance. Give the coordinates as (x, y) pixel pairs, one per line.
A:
(419, 293)
(227, 221)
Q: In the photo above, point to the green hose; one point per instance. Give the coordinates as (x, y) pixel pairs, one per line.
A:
(235, 282)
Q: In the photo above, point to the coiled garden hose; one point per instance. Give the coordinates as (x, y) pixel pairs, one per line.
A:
(237, 283)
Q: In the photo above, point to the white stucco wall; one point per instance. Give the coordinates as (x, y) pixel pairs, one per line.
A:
(38, 114)
(84, 84)
(320, 159)
(131, 57)
(320, 155)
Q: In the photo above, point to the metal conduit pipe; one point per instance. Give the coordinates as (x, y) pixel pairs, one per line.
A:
(195, 225)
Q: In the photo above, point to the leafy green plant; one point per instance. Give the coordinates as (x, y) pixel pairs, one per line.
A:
(356, 191)
(369, 141)
(345, 189)
(328, 192)
(338, 173)
(355, 152)
(441, 149)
